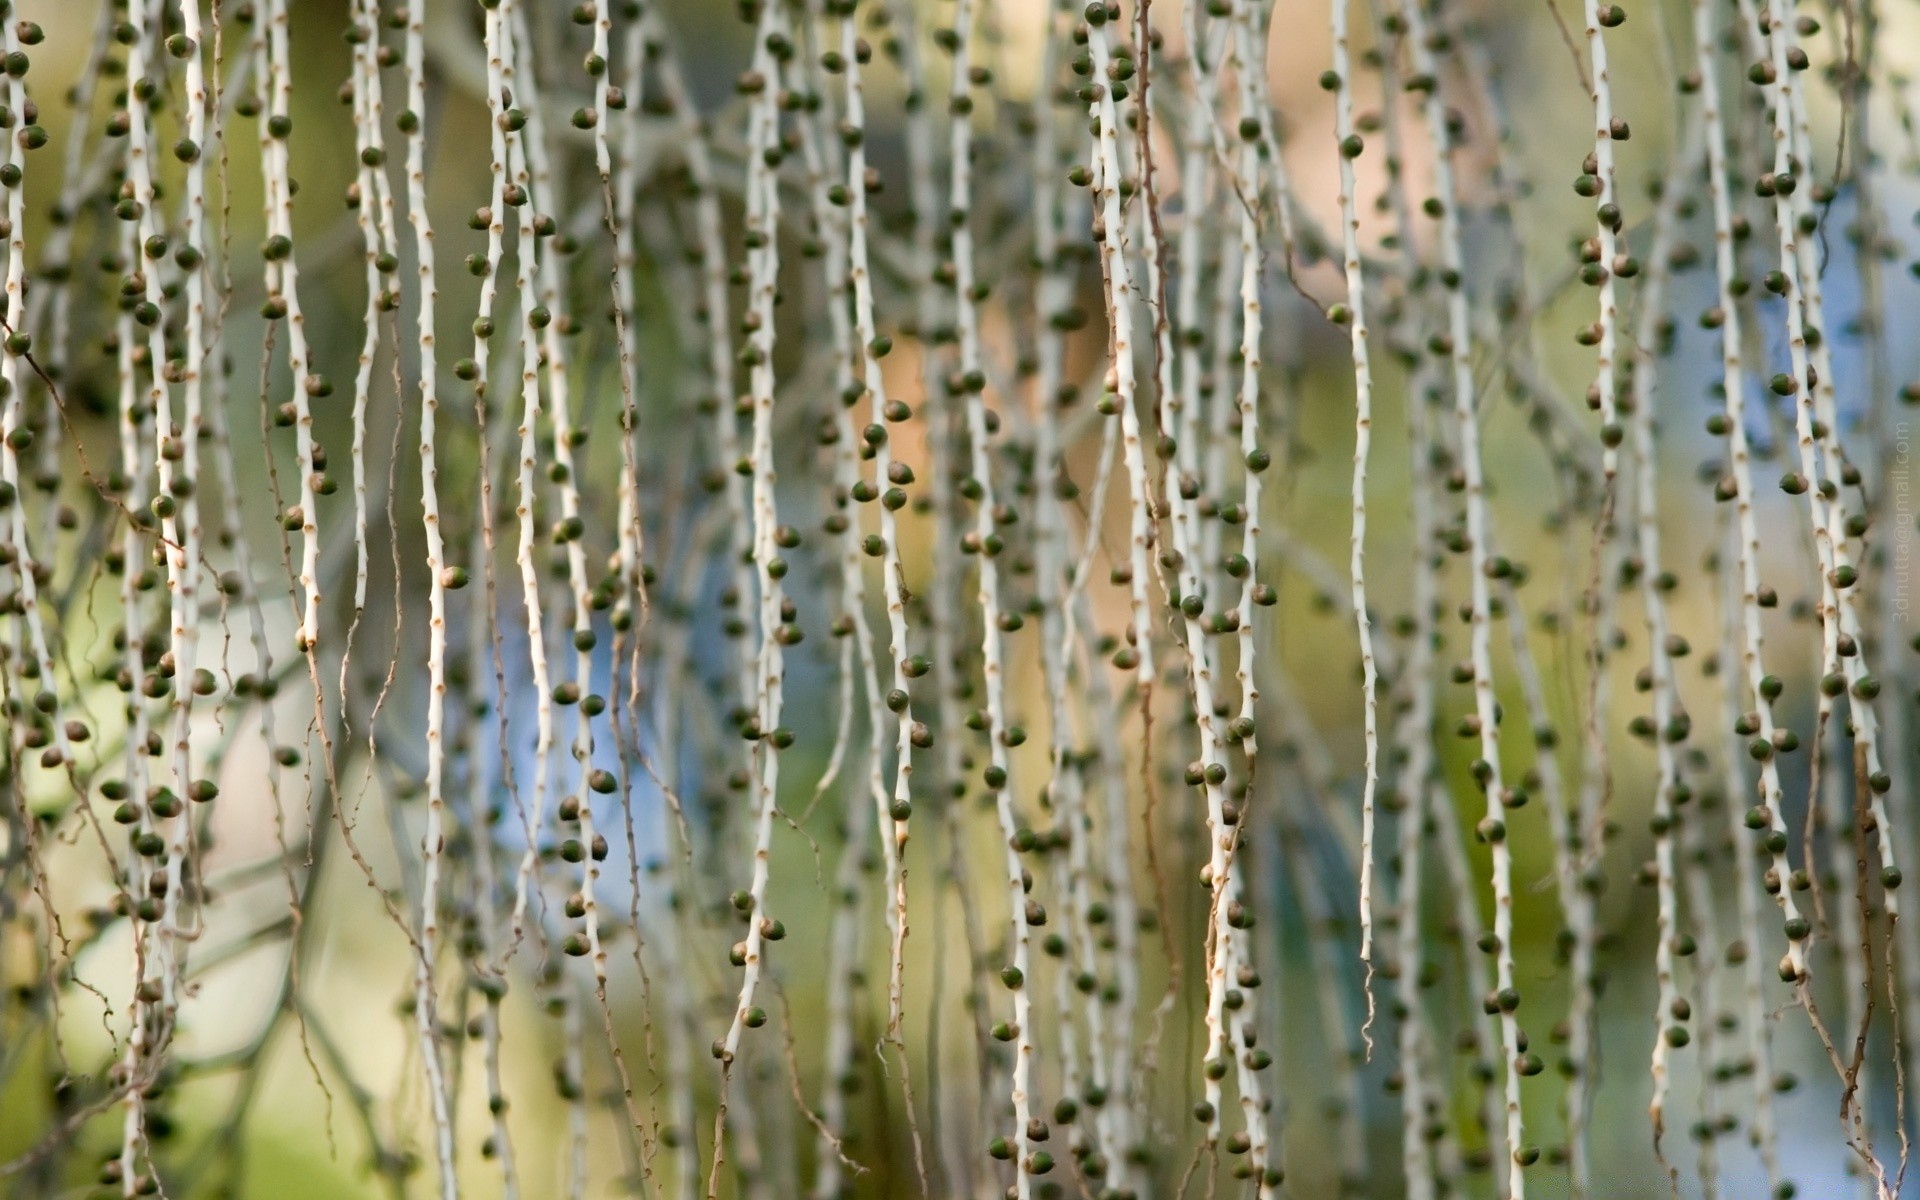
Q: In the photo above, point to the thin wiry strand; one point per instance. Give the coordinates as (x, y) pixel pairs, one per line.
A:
(631, 576)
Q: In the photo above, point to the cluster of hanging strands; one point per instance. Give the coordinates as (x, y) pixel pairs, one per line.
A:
(931, 384)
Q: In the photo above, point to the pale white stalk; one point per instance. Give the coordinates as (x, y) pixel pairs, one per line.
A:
(1697, 857)
(496, 47)
(1253, 27)
(855, 632)
(1059, 590)
(1861, 686)
(426, 1008)
(1412, 735)
(373, 209)
(985, 546)
(1747, 648)
(1669, 718)
(943, 596)
(81, 174)
(1121, 1111)
(162, 946)
(1482, 1032)
(1066, 781)
(1852, 944)
(1217, 441)
(133, 553)
(837, 1048)
(711, 241)
(1606, 328)
(33, 646)
(278, 82)
(1811, 375)
(1480, 564)
(1201, 189)
(1348, 146)
(1231, 940)
(549, 319)
(1416, 1095)
(763, 263)
(1773, 818)
(623, 188)
(1116, 270)
(1757, 1018)
(526, 486)
(491, 985)
(1252, 74)
(183, 443)
(1189, 597)
(1337, 1029)
(893, 574)
(573, 1077)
